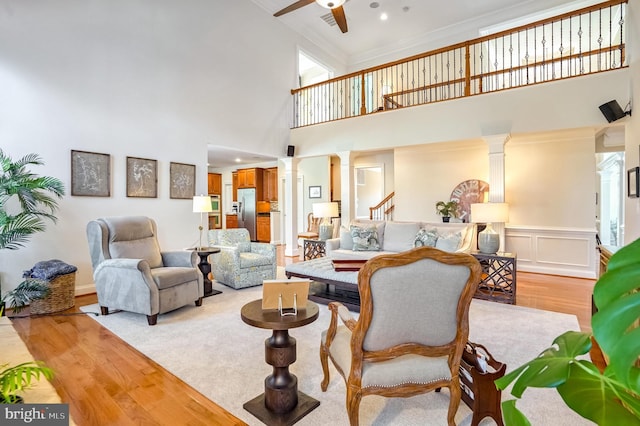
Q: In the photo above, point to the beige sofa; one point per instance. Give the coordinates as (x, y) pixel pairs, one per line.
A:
(357, 240)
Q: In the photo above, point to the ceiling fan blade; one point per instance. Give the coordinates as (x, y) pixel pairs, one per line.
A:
(294, 6)
(341, 19)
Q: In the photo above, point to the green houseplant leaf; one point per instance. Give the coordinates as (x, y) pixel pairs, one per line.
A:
(28, 290)
(447, 209)
(608, 398)
(19, 378)
(551, 367)
(36, 195)
(617, 296)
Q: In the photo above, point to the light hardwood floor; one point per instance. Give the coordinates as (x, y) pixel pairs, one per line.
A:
(107, 382)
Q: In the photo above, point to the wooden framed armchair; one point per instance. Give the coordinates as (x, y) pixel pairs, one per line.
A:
(131, 273)
(313, 224)
(412, 329)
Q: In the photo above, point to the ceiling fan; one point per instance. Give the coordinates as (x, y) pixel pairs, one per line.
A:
(335, 6)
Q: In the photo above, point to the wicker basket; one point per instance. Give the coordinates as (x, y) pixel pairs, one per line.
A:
(61, 296)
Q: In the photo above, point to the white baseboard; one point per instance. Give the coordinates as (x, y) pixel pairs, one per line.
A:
(85, 289)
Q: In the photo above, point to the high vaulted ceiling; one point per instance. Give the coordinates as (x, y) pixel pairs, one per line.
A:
(410, 23)
(412, 26)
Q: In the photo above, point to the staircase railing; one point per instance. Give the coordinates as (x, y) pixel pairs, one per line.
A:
(384, 209)
(582, 42)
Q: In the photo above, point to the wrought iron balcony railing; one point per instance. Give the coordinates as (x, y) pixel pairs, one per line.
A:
(582, 42)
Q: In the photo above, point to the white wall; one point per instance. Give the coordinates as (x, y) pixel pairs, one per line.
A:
(632, 127)
(550, 179)
(315, 172)
(155, 79)
(428, 173)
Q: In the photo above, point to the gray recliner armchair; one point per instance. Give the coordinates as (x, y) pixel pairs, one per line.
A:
(132, 274)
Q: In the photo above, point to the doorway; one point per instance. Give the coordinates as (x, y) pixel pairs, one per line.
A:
(610, 197)
(369, 188)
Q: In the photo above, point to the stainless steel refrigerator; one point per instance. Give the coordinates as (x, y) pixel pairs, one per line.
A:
(247, 211)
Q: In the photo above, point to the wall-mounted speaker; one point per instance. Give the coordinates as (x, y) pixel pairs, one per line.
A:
(290, 150)
(612, 111)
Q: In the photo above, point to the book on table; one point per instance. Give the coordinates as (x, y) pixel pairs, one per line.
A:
(348, 265)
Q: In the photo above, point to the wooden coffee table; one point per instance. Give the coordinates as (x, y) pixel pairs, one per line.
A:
(329, 284)
(281, 403)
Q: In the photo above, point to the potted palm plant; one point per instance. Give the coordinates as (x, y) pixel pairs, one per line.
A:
(18, 378)
(447, 209)
(611, 397)
(26, 201)
(19, 297)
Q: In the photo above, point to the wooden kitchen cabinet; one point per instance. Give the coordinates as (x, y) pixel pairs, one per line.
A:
(232, 221)
(270, 182)
(264, 229)
(250, 178)
(234, 185)
(214, 183)
(242, 178)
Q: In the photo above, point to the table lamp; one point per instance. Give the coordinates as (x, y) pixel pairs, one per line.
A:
(325, 211)
(201, 204)
(489, 239)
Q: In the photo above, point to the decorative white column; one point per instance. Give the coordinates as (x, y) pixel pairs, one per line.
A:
(347, 197)
(290, 206)
(496, 145)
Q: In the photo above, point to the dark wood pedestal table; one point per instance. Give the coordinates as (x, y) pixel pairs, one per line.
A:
(205, 268)
(281, 403)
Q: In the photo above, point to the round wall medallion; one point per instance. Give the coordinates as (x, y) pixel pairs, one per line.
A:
(466, 193)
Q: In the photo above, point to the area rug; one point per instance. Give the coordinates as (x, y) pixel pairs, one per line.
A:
(215, 352)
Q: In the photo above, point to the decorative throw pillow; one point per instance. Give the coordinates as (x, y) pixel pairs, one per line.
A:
(379, 225)
(365, 239)
(399, 236)
(346, 240)
(449, 242)
(426, 238)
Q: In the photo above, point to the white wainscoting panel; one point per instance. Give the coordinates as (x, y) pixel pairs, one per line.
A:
(559, 251)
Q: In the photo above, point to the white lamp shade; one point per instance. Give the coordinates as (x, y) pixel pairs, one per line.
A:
(202, 204)
(325, 210)
(330, 4)
(489, 212)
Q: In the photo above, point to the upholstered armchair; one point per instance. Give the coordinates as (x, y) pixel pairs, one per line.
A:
(412, 329)
(241, 263)
(132, 274)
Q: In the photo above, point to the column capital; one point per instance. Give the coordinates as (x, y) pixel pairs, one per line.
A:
(346, 157)
(290, 163)
(496, 143)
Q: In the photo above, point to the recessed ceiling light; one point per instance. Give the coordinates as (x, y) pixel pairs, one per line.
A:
(374, 4)
(383, 16)
(238, 160)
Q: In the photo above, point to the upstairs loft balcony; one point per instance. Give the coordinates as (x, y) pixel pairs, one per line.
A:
(583, 42)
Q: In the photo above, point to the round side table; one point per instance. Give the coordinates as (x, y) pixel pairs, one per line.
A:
(205, 268)
(281, 403)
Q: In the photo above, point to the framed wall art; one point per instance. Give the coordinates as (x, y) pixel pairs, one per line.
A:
(315, 191)
(182, 181)
(633, 182)
(90, 174)
(142, 177)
